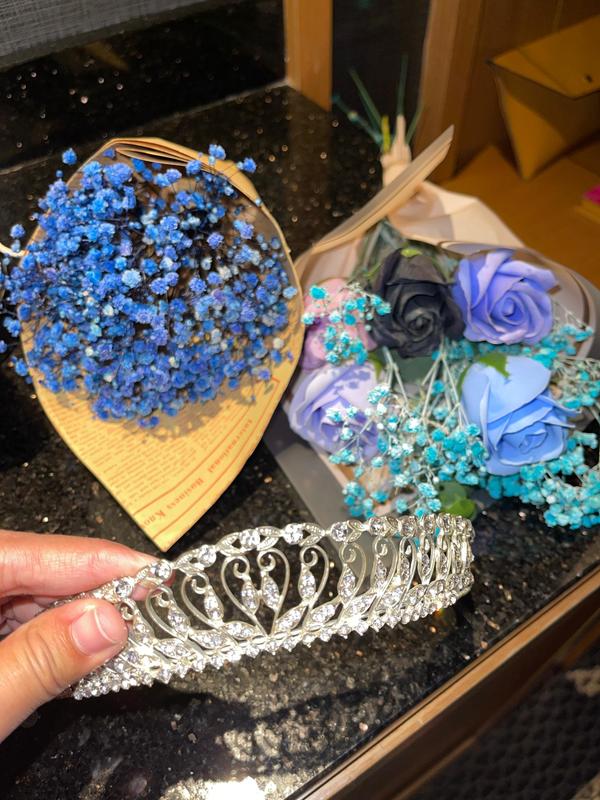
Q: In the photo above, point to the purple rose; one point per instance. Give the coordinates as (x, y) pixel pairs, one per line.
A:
(520, 421)
(319, 392)
(504, 300)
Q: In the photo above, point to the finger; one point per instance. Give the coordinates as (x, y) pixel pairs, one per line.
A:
(15, 612)
(44, 600)
(20, 610)
(51, 652)
(34, 563)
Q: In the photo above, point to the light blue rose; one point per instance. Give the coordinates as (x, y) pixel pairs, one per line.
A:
(519, 420)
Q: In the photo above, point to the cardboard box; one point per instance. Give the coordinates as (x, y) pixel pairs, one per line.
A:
(550, 93)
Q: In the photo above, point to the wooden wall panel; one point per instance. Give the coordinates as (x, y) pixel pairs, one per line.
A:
(448, 55)
(308, 42)
(458, 85)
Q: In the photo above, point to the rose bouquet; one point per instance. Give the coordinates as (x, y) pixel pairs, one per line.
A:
(427, 375)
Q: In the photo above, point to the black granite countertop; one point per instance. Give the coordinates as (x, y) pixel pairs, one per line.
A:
(268, 727)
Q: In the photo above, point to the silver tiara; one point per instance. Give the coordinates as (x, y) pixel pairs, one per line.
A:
(268, 589)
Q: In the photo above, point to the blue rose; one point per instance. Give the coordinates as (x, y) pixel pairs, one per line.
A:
(519, 420)
(503, 299)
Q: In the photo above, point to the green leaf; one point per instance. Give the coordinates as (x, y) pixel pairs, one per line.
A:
(357, 120)
(409, 252)
(451, 490)
(402, 85)
(454, 498)
(375, 358)
(461, 508)
(495, 360)
(386, 140)
(369, 106)
(413, 124)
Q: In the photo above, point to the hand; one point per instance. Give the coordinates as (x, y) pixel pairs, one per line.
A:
(42, 654)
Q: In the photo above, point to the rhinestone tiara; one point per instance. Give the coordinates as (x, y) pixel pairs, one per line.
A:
(268, 589)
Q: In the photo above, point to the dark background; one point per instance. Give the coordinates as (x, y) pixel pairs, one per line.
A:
(80, 88)
(371, 36)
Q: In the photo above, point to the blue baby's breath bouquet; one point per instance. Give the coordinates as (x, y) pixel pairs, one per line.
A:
(148, 286)
(427, 375)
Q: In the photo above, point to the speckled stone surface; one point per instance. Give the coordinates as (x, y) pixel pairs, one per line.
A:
(172, 64)
(272, 725)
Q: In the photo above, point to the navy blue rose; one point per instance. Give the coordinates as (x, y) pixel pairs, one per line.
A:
(422, 307)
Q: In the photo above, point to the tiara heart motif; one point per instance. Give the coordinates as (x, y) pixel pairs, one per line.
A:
(266, 589)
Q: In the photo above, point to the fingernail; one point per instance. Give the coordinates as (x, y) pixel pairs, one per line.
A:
(98, 629)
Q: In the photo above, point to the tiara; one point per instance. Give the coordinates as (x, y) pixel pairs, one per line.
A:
(266, 589)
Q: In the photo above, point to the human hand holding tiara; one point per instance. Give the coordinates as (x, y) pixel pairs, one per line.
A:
(44, 650)
(121, 619)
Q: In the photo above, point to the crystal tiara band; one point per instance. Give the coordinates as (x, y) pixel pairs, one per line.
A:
(268, 589)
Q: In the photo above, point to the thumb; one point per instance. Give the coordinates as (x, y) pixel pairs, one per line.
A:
(42, 658)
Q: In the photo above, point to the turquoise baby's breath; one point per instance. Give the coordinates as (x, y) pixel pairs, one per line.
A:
(425, 444)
